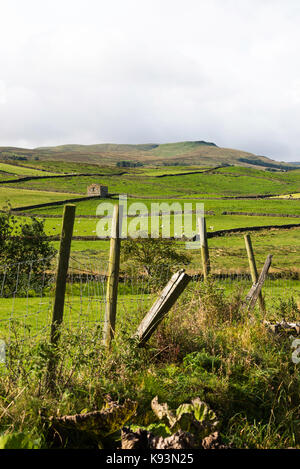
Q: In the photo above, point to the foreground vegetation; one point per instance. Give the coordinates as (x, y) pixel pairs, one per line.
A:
(212, 352)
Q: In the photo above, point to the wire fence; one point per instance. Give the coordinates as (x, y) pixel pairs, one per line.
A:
(27, 295)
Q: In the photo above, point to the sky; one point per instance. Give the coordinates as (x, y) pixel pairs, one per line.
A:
(151, 71)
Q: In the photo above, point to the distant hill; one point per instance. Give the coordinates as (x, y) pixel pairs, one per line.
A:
(179, 153)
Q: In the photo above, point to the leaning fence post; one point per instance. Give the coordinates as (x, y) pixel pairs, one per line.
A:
(113, 277)
(253, 269)
(62, 270)
(204, 246)
(256, 287)
(162, 306)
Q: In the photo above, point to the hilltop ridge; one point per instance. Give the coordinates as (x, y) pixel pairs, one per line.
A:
(198, 152)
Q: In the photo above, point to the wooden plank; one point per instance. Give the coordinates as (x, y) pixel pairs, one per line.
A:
(253, 294)
(162, 306)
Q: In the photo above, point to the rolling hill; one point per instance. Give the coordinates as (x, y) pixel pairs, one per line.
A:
(179, 153)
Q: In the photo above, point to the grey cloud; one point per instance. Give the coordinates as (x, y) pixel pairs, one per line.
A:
(134, 72)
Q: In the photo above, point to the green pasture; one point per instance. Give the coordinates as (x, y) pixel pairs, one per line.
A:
(20, 170)
(69, 167)
(269, 205)
(85, 306)
(162, 170)
(227, 253)
(22, 197)
(29, 316)
(231, 181)
(169, 226)
(290, 196)
(6, 176)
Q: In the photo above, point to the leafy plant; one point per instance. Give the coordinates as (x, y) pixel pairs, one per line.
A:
(194, 417)
(19, 441)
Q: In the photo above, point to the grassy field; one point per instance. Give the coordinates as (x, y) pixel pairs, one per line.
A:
(68, 167)
(227, 253)
(85, 304)
(218, 206)
(19, 170)
(87, 227)
(22, 197)
(289, 196)
(226, 182)
(27, 197)
(32, 315)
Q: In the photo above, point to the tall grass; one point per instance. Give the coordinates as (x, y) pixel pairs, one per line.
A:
(207, 347)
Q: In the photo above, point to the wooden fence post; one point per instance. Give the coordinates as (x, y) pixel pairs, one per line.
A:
(255, 290)
(62, 270)
(204, 246)
(60, 288)
(162, 306)
(113, 277)
(253, 269)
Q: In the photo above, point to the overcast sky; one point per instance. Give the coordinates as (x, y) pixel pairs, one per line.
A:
(151, 71)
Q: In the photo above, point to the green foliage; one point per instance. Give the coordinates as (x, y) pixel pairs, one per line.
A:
(195, 418)
(19, 441)
(288, 308)
(241, 371)
(129, 164)
(202, 360)
(12, 156)
(157, 257)
(215, 307)
(22, 245)
(266, 164)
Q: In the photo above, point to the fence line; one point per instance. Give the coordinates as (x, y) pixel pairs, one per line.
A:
(27, 292)
(26, 303)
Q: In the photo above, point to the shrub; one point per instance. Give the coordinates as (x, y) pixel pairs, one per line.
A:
(23, 244)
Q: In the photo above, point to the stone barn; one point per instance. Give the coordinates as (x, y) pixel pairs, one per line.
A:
(97, 190)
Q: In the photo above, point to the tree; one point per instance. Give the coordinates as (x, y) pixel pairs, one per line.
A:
(25, 254)
(158, 257)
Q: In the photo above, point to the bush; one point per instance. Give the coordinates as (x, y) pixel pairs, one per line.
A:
(158, 258)
(23, 244)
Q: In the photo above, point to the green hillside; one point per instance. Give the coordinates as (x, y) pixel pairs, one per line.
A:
(20, 170)
(184, 153)
(229, 181)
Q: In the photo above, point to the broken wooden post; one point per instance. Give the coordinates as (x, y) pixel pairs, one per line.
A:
(253, 269)
(162, 306)
(204, 246)
(113, 277)
(252, 296)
